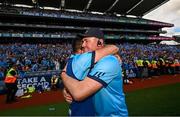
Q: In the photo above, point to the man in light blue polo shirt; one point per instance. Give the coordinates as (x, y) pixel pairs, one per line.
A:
(104, 80)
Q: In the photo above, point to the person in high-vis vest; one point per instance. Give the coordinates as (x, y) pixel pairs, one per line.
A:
(11, 84)
(139, 64)
(149, 67)
(28, 92)
(162, 65)
(54, 82)
(172, 66)
(154, 67)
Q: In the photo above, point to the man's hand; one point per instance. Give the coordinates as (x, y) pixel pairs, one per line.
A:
(107, 50)
(67, 96)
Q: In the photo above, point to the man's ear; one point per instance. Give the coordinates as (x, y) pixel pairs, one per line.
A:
(100, 42)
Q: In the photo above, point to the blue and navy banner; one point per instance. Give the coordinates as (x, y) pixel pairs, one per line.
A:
(43, 81)
(39, 82)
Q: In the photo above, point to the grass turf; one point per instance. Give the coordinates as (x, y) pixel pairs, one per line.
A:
(158, 101)
(59, 109)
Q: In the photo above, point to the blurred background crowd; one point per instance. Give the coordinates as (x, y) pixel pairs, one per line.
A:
(138, 60)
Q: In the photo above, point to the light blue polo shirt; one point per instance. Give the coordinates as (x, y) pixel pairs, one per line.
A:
(110, 99)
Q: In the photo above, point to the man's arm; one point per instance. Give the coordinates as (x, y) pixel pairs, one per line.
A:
(99, 77)
(80, 89)
(107, 50)
(89, 58)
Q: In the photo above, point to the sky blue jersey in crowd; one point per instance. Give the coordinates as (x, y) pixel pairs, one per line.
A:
(78, 67)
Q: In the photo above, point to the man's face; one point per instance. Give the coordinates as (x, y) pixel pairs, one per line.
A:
(90, 44)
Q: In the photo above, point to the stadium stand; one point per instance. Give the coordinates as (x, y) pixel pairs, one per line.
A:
(66, 24)
(39, 39)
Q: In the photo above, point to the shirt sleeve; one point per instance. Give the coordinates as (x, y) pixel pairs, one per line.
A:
(105, 70)
(82, 63)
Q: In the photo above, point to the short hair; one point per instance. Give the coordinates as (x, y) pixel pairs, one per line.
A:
(76, 45)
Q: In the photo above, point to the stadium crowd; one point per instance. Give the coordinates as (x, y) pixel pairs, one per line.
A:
(145, 61)
(138, 60)
(33, 57)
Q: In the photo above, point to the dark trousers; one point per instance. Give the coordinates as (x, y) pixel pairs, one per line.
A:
(11, 91)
